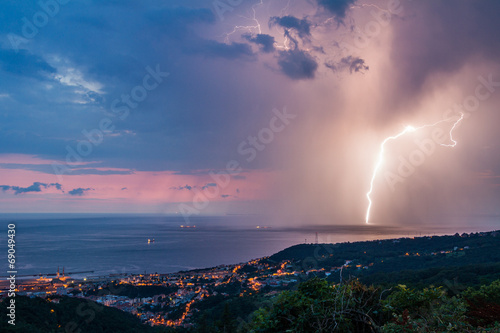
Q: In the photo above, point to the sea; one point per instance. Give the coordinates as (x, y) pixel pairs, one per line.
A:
(118, 244)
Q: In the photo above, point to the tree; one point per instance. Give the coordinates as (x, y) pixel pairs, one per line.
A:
(427, 310)
(484, 304)
(318, 306)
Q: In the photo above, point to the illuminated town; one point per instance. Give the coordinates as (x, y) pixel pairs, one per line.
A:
(171, 298)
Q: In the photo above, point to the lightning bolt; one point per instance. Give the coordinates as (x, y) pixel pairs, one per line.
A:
(255, 15)
(284, 11)
(286, 42)
(250, 28)
(380, 159)
(451, 132)
(257, 27)
(368, 5)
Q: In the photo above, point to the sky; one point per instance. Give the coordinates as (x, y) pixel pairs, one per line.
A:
(269, 107)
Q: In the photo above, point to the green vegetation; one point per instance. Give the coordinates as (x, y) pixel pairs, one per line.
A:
(317, 306)
(37, 315)
(454, 262)
(220, 314)
(427, 284)
(484, 304)
(427, 310)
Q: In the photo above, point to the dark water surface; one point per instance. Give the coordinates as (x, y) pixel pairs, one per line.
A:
(116, 244)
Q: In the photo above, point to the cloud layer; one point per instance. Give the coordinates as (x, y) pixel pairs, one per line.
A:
(86, 107)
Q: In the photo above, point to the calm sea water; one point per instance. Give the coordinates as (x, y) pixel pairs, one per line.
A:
(116, 244)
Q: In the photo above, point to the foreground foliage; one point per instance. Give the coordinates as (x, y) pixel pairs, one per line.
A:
(37, 315)
(317, 306)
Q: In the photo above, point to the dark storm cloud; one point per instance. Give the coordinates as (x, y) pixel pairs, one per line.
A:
(336, 7)
(354, 64)
(297, 64)
(217, 94)
(265, 41)
(358, 65)
(179, 23)
(180, 188)
(189, 187)
(209, 185)
(79, 191)
(441, 38)
(35, 187)
(301, 26)
(332, 65)
(112, 44)
(190, 122)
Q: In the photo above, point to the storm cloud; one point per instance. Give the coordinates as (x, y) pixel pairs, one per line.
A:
(301, 26)
(337, 7)
(353, 64)
(79, 191)
(265, 41)
(297, 64)
(412, 63)
(35, 187)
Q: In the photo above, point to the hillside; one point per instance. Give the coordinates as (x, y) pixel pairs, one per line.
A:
(468, 259)
(455, 276)
(65, 314)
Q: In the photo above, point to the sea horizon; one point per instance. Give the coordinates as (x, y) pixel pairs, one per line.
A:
(138, 243)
